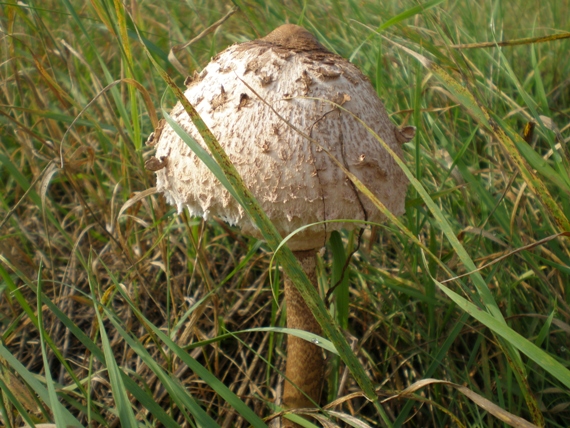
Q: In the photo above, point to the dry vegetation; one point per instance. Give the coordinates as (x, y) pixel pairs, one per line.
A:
(113, 267)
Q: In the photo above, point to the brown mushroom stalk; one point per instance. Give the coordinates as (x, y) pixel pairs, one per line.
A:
(305, 362)
(296, 183)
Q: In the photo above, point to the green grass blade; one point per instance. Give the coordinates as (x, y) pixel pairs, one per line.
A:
(339, 279)
(175, 390)
(310, 337)
(475, 109)
(545, 330)
(203, 155)
(108, 76)
(122, 403)
(200, 370)
(19, 407)
(35, 384)
(16, 292)
(129, 69)
(409, 13)
(142, 396)
(396, 20)
(60, 417)
(533, 158)
(544, 360)
(438, 360)
(35, 321)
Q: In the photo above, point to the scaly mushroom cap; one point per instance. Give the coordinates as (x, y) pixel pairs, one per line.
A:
(295, 181)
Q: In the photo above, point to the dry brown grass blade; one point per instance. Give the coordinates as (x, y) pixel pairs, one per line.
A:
(19, 390)
(41, 426)
(516, 42)
(349, 419)
(510, 253)
(172, 54)
(26, 193)
(482, 402)
(480, 232)
(62, 95)
(137, 197)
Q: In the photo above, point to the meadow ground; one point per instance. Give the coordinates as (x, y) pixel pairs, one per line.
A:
(144, 312)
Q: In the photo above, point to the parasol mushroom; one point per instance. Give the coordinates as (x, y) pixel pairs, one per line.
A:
(248, 96)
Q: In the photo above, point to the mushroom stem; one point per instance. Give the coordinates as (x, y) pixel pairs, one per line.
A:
(305, 363)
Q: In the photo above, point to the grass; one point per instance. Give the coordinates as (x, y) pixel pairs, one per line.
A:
(114, 309)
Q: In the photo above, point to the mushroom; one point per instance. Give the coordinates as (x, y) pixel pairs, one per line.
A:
(261, 99)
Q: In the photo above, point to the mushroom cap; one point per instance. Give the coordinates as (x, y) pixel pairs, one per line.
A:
(293, 179)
